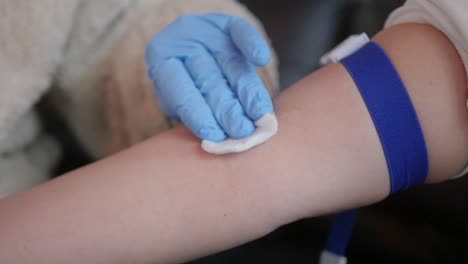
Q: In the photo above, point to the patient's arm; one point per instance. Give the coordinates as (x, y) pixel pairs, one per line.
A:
(166, 201)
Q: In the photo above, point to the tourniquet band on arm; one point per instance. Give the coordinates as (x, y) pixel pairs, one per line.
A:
(398, 128)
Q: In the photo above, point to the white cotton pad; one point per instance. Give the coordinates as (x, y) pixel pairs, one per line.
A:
(267, 126)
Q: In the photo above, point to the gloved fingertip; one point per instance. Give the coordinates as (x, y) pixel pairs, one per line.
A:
(211, 134)
(260, 109)
(242, 129)
(260, 56)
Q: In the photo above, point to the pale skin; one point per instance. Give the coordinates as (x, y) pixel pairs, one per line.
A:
(166, 201)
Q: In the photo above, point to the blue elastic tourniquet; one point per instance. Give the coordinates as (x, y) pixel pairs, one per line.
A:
(396, 123)
(393, 114)
(340, 233)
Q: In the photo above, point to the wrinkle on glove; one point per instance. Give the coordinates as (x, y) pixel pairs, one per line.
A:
(266, 127)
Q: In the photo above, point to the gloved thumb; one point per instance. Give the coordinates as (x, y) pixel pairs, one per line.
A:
(249, 41)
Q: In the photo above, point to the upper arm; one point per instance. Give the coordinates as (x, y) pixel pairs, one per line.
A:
(435, 77)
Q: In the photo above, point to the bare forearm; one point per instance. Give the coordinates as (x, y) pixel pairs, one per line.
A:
(167, 201)
(164, 200)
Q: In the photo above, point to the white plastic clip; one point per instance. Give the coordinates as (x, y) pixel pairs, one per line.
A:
(345, 48)
(328, 257)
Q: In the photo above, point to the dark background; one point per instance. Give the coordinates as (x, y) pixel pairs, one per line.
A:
(424, 225)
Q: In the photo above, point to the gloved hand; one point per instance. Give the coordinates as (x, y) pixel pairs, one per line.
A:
(203, 68)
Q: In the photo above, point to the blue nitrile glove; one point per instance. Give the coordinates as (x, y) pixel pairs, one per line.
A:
(203, 68)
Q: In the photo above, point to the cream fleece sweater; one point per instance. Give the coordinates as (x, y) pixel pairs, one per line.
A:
(91, 52)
